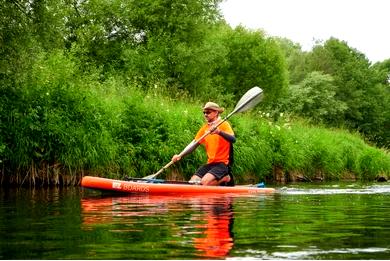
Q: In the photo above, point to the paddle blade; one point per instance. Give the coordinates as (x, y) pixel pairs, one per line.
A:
(249, 100)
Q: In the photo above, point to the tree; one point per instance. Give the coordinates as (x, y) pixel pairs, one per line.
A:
(254, 60)
(378, 127)
(360, 88)
(314, 98)
(351, 73)
(296, 60)
(110, 33)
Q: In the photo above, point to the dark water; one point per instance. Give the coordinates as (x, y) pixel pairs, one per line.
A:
(348, 221)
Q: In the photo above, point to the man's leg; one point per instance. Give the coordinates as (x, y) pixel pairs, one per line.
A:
(210, 180)
(195, 179)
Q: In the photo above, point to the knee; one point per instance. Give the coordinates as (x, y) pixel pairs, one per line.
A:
(208, 180)
(209, 183)
(225, 179)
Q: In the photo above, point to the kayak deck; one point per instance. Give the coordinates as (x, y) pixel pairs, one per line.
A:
(139, 186)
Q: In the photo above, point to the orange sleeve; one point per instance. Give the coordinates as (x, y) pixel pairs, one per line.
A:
(225, 127)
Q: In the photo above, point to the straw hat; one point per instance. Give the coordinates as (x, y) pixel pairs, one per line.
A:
(213, 106)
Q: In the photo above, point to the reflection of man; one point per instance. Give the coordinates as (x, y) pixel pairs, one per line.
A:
(218, 239)
(214, 218)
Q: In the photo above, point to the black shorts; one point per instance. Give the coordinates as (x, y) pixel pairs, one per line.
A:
(218, 170)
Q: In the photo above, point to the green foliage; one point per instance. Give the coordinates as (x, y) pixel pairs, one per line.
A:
(360, 90)
(110, 33)
(254, 60)
(377, 125)
(144, 133)
(113, 88)
(17, 45)
(373, 162)
(315, 99)
(295, 60)
(55, 119)
(251, 153)
(321, 153)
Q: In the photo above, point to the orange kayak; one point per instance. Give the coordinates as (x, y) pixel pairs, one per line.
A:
(145, 187)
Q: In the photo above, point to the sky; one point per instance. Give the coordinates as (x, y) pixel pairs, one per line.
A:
(363, 24)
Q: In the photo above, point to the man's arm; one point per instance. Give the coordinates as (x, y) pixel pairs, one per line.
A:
(226, 136)
(187, 150)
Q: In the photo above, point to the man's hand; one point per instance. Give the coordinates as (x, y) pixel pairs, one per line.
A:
(176, 158)
(214, 130)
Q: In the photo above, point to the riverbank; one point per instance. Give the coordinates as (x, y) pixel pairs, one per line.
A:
(55, 135)
(282, 151)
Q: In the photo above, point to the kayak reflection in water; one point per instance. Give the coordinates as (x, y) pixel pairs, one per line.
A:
(218, 236)
(219, 149)
(211, 218)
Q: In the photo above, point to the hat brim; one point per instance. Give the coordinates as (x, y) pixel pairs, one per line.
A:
(214, 108)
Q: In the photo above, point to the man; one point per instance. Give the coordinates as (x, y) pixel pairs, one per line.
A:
(218, 146)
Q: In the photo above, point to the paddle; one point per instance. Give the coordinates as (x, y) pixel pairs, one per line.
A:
(249, 100)
(143, 180)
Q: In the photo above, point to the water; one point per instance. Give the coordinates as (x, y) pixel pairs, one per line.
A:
(328, 221)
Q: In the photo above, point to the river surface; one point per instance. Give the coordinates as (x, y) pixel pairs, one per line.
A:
(317, 221)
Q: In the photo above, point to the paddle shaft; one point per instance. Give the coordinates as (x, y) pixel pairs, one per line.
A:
(158, 172)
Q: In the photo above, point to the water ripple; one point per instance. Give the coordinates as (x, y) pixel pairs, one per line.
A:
(372, 189)
(308, 253)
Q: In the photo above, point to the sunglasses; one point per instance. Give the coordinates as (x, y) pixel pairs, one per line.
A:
(207, 112)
